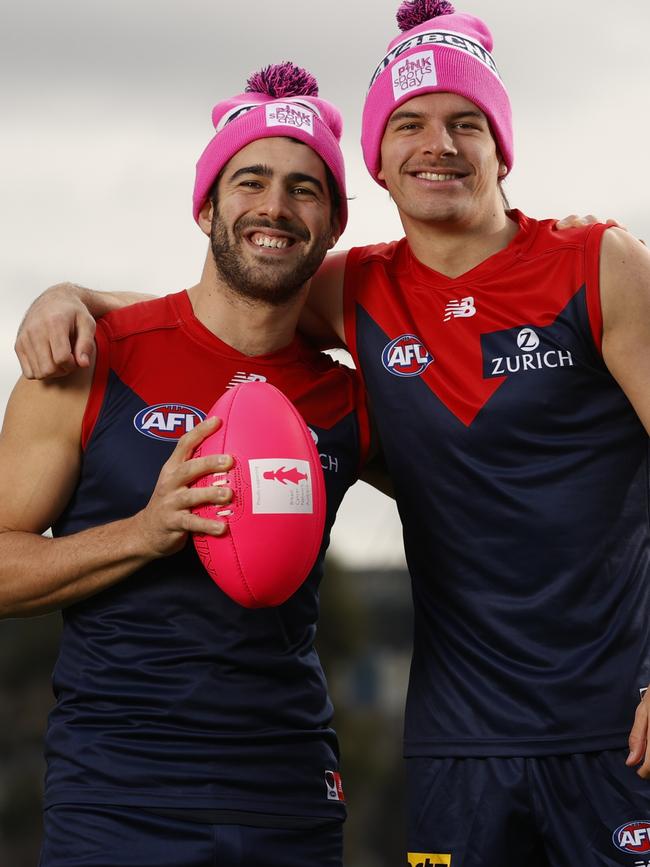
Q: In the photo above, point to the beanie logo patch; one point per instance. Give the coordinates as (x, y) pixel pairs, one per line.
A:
(413, 72)
(292, 115)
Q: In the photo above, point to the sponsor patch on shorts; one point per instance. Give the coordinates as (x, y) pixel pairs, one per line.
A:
(427, 859)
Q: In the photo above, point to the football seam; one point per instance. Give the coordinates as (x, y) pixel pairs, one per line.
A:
(242, 576)
(241, 571)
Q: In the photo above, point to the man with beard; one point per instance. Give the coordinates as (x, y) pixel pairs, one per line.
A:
(188, 730)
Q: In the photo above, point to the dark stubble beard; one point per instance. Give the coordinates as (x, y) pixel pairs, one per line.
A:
(273, 282)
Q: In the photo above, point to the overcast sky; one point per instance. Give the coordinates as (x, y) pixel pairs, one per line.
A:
(105, 107)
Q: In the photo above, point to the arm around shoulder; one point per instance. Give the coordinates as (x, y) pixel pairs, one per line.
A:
(56, 335)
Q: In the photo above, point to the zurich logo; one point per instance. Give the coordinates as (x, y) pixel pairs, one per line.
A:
(167, 421)
(527, 340)
(406, 356)
(633, 837)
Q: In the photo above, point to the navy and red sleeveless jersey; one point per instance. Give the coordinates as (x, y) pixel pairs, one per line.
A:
(168, 693)
(521, 474)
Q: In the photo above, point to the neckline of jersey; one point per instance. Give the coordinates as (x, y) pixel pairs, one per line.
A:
(182, 305)
(426, 277)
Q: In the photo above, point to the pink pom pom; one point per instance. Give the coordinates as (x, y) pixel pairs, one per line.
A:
(414, 12)
(282, 80)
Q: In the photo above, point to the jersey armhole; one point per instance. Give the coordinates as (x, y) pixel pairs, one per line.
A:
(592, 282)
(363, 415)
(98, 385)
(350, 330)
(350, 302)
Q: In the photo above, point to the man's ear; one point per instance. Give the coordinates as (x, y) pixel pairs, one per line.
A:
(502, 171)
(336, 232)
(205, 217)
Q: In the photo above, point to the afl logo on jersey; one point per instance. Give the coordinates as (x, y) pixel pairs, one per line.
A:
(167, 421)
(406, 356)
(633, 837)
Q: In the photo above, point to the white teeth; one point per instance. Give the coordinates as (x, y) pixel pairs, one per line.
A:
(435, 176)
(266, 241)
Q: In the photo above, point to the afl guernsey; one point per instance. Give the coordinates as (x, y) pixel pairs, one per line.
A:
(168, 693)
(521, 473)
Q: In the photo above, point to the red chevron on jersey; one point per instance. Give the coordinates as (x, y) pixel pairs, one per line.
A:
(439, 329)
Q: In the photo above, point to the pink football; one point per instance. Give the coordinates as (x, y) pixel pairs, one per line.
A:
(277, 514)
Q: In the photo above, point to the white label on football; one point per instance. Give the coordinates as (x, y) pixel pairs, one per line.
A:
(281, 486)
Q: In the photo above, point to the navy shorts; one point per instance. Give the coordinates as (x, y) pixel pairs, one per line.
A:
(549, 811)
(97, 836)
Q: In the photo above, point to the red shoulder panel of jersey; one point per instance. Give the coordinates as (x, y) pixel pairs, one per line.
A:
(434, 324)
(167, 330)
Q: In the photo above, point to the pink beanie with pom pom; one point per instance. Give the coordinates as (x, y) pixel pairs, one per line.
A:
(439, 50)
(280, 100)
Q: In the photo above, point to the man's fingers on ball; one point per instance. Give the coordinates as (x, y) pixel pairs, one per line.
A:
(208, 465)
(207, 527)
(193, 438)
(204, 429)
(210, 495)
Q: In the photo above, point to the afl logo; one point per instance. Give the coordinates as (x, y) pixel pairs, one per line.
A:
(167, 421)
(527, 340)
(406, 356)
(633, 837)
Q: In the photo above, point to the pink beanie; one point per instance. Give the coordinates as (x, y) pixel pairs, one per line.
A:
(280, 100)
(439, 50)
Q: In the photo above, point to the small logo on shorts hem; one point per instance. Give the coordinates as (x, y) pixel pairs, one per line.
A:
(426, 859)
(334, 786)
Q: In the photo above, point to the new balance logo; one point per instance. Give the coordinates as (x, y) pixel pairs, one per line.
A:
(462, 309)
(241, 376)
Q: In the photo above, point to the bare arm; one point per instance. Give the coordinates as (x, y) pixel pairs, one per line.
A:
(56, 334)
(625, 295)
(40, 459)
(322, 317)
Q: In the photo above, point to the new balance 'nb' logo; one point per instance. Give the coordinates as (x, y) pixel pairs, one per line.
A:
(241, 376)
(460, 309)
